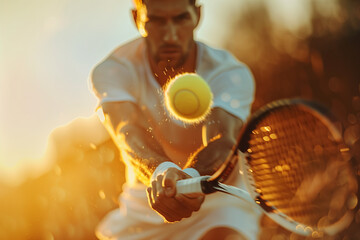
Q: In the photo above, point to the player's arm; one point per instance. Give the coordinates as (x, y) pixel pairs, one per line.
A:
(130, 132)
(113, 84)
(222, 129)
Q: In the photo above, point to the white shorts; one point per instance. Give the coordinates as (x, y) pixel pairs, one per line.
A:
(135, 219)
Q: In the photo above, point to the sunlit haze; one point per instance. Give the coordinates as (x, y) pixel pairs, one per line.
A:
(47, 50)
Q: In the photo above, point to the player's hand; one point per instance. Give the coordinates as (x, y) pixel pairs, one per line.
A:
(163, 198)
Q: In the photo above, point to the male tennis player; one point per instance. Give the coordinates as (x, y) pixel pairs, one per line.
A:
(159, 150)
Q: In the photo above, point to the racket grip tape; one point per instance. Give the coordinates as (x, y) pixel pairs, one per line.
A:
(190, 185)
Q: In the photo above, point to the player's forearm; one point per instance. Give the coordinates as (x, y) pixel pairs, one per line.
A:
(221, 130)
(128, 128)
(146, 154)
(208, 159)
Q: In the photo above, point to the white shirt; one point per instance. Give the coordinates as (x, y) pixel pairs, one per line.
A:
(230, 81)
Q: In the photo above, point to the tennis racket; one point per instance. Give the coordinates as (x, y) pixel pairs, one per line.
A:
(295, 167)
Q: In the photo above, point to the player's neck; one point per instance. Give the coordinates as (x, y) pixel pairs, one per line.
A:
(163, 74)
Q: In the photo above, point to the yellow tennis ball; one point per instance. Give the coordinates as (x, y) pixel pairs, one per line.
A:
(188, 98)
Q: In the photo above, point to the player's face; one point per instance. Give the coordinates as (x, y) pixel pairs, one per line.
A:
(170, 28)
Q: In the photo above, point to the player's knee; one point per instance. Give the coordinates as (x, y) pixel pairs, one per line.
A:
(222, 233)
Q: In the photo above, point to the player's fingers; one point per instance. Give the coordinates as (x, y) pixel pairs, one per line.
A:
(159, 188)
(168, 208)
(154, 204)
(149, 195)
(157, 193)
(154, 191)
(162, 194)
(169, 181)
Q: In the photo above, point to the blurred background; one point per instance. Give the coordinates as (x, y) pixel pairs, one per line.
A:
(58, 179)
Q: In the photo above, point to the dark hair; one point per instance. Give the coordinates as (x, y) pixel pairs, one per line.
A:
(138, 3)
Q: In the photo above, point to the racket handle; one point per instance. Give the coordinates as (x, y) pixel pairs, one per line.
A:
(190, 185)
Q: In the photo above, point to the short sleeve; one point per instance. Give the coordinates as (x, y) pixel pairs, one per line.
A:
(234, 91)
(113, 81)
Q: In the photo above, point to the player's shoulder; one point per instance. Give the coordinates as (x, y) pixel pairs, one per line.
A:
(218, 57)
(125, 54)
(215, 62)
(131, 51)
(120, 61)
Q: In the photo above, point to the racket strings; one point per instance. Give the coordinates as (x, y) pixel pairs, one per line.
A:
(286, 150)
